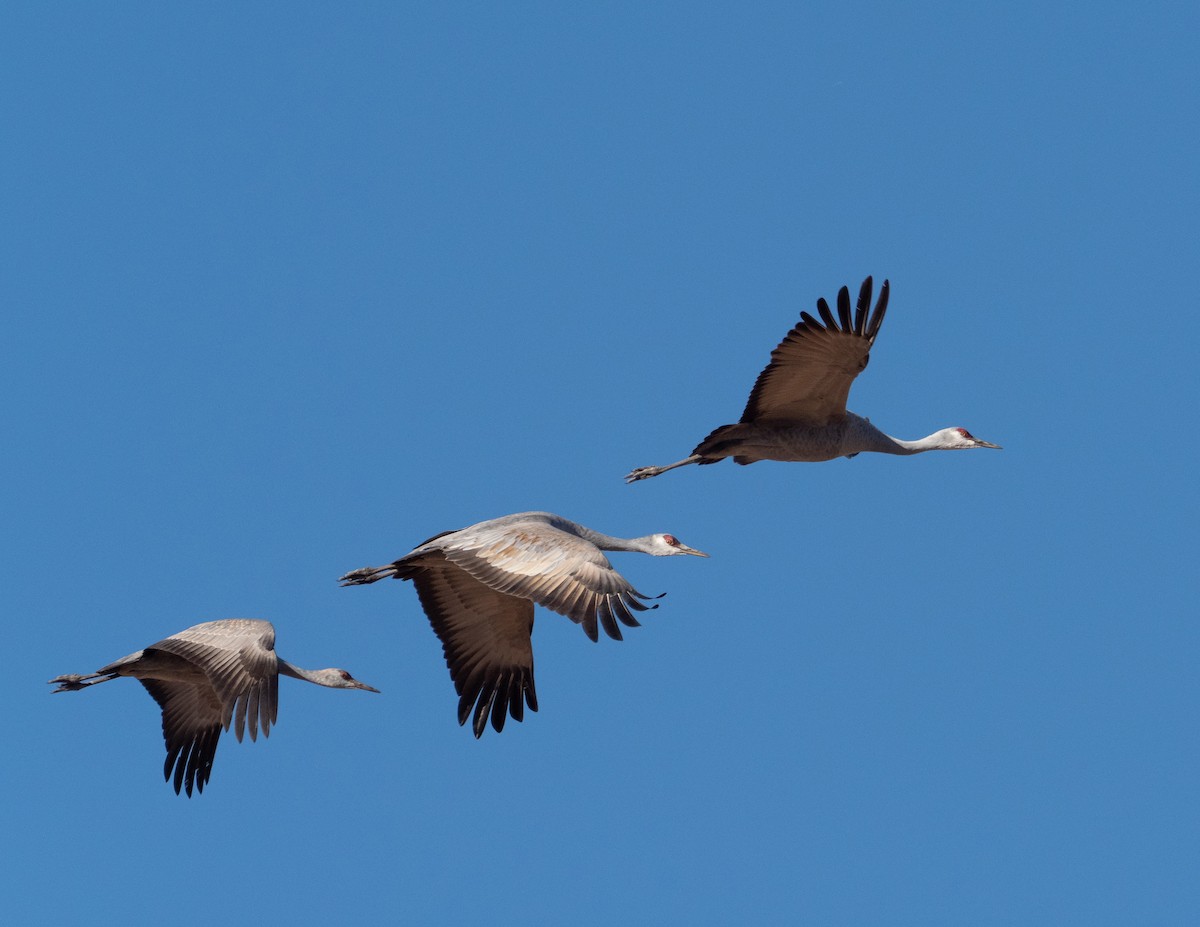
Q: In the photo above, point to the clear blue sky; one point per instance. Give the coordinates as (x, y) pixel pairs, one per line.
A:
(291, 287)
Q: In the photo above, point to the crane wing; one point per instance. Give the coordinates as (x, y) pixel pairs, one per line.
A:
(238, 657)
(558, 570)
(191, 724)
(808, 379)
(485, 638)
(198, 677)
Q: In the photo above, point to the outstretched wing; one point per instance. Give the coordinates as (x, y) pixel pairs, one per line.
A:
(191, 724)
(238, 657)
(485, 636)
(556, 569)
(200, 677)
(808, 379)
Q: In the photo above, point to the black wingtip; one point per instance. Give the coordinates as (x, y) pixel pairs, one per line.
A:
(880, 311)
(607, 620)
(483, 708)
(624, 615)
(844, 308)
(826, 315)
(862, 307)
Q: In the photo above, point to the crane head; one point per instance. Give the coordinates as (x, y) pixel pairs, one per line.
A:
(667, 545)
(960, 439)
(340, 679)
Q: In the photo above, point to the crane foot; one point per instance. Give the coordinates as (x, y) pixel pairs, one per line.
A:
(642, 473)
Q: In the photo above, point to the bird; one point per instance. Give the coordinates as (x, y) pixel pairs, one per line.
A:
(478, 586)
(204, 678)
(797, 409)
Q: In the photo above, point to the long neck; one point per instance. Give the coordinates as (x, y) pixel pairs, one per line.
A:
(299, 672)
(643, 545)
(892, 445)
(861, 435)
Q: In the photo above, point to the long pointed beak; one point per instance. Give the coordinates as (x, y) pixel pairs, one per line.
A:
(979, 443)
(365, 687)
(684, 549)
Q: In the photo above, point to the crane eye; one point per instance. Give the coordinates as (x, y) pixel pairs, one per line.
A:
(671, 539)
(966, 434)
(346, 676)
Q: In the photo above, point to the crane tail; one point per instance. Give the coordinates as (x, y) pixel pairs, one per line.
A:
(720, 443)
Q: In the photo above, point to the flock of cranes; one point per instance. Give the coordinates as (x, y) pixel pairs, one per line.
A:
(478, 585)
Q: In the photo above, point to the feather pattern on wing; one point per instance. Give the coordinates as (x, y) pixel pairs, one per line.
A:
(556, 569)
(809, 377)
(478, 587)
(485, 637)
(204, 678)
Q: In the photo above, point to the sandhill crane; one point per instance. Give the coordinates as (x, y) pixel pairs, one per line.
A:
(204, 678)
(797, 409)
(478, 586)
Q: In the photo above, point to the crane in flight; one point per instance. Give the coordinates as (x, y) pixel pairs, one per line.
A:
(797, 409)
(478, 587)
(204, 678)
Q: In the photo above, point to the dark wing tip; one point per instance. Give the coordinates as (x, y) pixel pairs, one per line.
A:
(605, 611)
(483, 708)
(844, 308)
(484, 699)
(624, 615)
(862, 307)
(880, 311)
(826, 315)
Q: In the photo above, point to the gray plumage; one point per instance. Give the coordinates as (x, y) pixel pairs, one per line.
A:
(478, 587)
(205, 678)
(797, 409)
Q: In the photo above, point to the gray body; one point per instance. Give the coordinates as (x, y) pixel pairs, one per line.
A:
(747, 442)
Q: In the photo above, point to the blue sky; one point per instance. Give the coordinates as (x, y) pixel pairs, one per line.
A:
(293, 287)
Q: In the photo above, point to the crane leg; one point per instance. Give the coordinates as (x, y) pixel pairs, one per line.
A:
(73, 682)
(643, 473)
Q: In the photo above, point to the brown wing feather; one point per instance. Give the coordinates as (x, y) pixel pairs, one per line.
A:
(191, 725)
(485, 637)
(809, 377)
